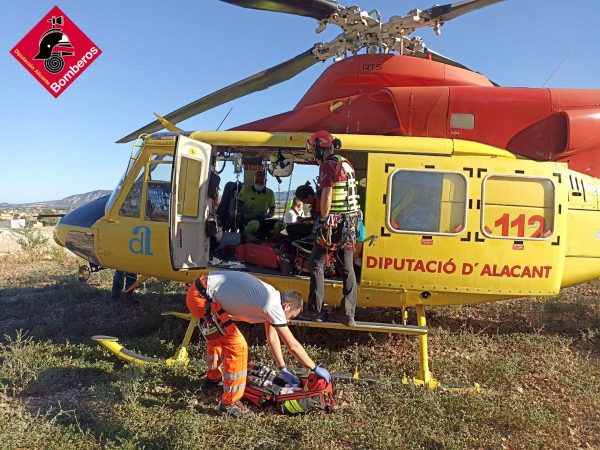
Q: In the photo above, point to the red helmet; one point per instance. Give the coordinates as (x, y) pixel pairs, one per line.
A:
(321, 141)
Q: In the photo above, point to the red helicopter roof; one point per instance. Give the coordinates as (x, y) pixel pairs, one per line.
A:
(369, 73)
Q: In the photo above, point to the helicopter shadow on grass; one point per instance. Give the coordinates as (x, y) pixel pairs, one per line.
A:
(67, 309)
(70, 310)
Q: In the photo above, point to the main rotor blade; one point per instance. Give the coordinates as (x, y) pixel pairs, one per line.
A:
(319, 9)
(444, 13)
(254, 83)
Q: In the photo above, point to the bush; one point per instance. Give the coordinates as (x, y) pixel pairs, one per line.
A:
(20, 363)
(30, 239)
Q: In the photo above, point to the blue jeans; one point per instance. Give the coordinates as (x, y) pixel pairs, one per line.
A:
(117, 285)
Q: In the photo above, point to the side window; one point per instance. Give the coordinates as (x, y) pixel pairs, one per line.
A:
(131, 205)
(159, 189)
(518, 207)
(189, 192)
(427, 202)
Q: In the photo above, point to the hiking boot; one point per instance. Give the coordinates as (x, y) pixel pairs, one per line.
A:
(342, 318)
(236, 410)
(349, 321)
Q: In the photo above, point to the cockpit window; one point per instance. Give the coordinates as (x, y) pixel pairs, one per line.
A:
(131, 205)
(135, 152)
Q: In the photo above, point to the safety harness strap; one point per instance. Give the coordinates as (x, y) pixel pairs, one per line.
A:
(210, 317)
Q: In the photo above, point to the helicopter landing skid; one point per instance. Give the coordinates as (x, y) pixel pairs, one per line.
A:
(181, 357)
(424, 377)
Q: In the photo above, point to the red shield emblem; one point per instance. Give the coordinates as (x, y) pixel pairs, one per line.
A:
(56, 51)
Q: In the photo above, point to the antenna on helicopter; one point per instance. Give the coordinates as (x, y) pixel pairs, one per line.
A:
(557, 68)
(226, 116)
(361, 30)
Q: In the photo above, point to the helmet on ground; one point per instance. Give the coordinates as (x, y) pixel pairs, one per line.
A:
(321, 141)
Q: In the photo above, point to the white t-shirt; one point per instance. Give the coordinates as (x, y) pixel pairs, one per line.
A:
(292, 216)
(246, 297)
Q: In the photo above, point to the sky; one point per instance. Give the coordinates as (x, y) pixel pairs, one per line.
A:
(158, 56)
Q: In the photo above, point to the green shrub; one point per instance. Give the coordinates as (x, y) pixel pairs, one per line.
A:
(30, 239)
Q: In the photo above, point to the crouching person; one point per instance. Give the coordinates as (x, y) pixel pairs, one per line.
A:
(216, 297)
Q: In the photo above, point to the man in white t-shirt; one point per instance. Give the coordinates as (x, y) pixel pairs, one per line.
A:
(295, 212)
(245, 297)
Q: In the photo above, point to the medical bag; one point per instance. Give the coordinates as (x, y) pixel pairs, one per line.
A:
(265, 388)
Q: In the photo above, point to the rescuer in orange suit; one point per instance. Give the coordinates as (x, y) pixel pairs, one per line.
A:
(335, 226)
(248, 299)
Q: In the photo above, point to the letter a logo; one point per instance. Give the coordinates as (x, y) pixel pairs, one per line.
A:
(140, 243)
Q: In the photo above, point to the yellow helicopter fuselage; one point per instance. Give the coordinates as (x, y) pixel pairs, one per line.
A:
(447, 221)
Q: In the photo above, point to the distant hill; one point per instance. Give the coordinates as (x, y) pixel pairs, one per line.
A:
(70, 202)
(73, 201)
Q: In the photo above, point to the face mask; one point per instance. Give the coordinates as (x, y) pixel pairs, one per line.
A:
(259, 187)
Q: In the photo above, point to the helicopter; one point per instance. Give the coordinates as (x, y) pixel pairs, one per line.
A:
(472, 192)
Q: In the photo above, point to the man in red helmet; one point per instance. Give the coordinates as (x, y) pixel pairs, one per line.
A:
(335, 227)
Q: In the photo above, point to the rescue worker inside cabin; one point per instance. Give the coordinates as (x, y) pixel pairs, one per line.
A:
(256, 201)
(307, 195)
(335, 226)
(295, 213)
(213, 299)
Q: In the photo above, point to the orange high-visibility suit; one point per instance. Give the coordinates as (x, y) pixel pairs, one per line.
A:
(247, 298)
(226, 356)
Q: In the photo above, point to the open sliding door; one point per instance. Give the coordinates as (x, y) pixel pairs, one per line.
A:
(189, 205)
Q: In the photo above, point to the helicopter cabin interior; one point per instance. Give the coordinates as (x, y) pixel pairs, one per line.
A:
(206, 230)
(441, 216)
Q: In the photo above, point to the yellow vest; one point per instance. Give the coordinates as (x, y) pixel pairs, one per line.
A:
(344, 197)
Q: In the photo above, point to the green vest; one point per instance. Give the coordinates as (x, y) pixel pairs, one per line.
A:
(344, 197)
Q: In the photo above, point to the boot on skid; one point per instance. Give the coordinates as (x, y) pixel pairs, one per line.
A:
(236, 409)
(341, 317)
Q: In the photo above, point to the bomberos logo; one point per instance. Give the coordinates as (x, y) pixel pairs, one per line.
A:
(55, 51)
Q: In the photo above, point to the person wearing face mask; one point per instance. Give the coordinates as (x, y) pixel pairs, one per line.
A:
(256, 201)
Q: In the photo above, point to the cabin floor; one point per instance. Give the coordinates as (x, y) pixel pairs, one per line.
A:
(278, 258)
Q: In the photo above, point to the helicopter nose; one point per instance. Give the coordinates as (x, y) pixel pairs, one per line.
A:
(76, 230)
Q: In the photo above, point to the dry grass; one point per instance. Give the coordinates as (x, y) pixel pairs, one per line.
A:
(536, 359)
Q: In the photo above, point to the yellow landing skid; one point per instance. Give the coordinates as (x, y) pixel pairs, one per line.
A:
(112, 345)
(424, 377)
(370, 327)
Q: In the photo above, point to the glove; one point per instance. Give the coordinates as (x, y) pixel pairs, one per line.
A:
(289, 377)
(322, 372)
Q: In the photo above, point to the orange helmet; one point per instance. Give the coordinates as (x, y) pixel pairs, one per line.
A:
(321, 141)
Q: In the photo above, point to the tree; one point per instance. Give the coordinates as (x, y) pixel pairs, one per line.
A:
(49, 221)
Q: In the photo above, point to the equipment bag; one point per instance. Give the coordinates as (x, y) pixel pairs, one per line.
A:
(264, 388)
(261, 255)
